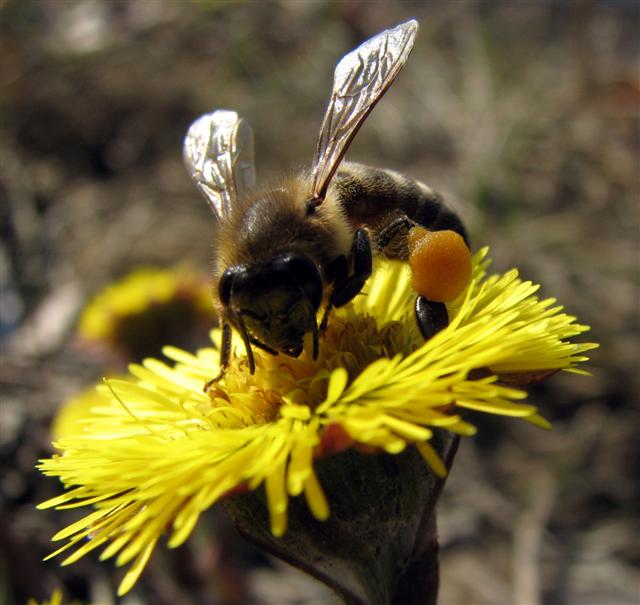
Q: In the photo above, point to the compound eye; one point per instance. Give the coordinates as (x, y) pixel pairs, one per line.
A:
(226, 284)
(307, 275)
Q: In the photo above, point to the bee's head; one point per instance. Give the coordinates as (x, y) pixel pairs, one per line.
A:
(274, 304)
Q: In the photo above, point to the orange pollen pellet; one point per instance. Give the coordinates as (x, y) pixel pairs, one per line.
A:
(440, 263)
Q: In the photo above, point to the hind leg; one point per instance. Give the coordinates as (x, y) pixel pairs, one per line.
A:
(392, 242)
(431, 316)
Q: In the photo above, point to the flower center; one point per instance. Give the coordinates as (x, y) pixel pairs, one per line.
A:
(352, 341)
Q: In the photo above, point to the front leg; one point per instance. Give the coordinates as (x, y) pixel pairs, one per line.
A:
(346, 286)
(225, 353)
(345, 289)
(225, 349)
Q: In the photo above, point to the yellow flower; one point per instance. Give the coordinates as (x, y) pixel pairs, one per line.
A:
(56, 599)
(74, 412)
(159, 451)
(139, 313)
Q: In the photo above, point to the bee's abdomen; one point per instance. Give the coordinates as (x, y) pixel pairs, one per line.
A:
(371, 197)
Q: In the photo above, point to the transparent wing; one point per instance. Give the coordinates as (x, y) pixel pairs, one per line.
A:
(360, 80)
(218, 154)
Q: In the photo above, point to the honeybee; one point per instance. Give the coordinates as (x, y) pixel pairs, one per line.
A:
(285, 251)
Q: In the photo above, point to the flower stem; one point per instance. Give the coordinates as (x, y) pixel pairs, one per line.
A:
(379, 545)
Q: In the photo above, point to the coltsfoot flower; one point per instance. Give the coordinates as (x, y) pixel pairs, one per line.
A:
(57, 598)
(157, 450)
(146, 309)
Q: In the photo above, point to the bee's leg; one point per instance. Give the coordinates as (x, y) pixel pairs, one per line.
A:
(225, 349)
(431, 316)
(346, 289)
(346, 286)
(247, 343)
(325, 318)
(225, 345)
(225, 352)
(337, 272)
(261, 345)
(392, 241)
(315, 333)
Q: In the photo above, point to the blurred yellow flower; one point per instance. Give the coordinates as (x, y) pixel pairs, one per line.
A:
(56, 599)
(147, 308)
(158, 450)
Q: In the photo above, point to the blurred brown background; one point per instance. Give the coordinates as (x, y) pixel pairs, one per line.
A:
(526, 115)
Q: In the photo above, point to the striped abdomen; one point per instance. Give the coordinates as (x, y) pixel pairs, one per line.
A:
(374, 197)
